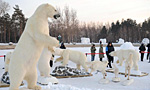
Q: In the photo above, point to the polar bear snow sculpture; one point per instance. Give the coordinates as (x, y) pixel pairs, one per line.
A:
(7, 61)
(43, 63)
(29, 48)
(44, 68)
(116, 72)
(75, 56)
(125, 54)
(98, 65)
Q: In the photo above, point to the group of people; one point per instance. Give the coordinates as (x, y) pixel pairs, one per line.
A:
(109, 48)
(142, 49)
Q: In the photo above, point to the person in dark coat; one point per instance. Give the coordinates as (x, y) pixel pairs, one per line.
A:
(142, 49)
(109, 48)
(148, 50)
(93, 49)
(101, 55)
(62, 46)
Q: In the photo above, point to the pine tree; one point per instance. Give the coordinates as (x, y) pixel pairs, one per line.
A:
(19, 22)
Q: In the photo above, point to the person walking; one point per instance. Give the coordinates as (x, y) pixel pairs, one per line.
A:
(109, 49)
(142, 49)
(148, 50)
(93, 49)
(101, 53)
(62, 46)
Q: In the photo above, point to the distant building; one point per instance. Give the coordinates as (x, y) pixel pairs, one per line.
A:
(103, 40)
(85, 40)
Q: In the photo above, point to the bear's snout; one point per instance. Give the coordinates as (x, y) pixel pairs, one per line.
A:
(56, 16)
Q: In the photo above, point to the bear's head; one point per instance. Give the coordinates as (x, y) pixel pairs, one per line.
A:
(48, 11)
(113, 53)
(58, 51)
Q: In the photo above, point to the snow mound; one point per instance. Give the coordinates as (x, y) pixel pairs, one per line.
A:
(45, 80)
(127, 82)
(121, 41)
(127, 45)
(145, 41)
(50, 86)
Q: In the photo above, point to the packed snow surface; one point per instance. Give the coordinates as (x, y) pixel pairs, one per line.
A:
(92, 82)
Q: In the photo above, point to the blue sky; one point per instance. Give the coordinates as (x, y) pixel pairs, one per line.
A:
(102, 11)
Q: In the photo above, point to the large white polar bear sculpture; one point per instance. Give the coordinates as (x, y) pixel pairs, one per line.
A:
(124, 55)
(35, 37)
(75, 56)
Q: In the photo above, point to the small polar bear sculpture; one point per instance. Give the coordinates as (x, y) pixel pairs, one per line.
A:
(7, 61)
(75, 56)
(124, 55)
(116, 72)
(23, 62)
(43, 63)
(44, 68)
(98, 65)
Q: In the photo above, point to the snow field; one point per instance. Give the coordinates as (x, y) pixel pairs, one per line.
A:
(91, 83)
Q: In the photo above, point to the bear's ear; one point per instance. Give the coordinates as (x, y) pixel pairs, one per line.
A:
(47, 4)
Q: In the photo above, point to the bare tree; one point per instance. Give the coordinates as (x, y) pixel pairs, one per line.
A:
(4, 7)
(74, 25)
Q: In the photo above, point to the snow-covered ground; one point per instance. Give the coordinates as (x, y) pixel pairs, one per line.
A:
(92, 82)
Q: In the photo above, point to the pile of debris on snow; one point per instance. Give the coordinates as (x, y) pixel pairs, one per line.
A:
(68, 71)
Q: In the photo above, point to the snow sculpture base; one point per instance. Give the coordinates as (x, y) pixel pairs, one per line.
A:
(104, 81)
(25, 88)
(4, 80)
(127, 82)
(136, 72)
(45, 80)
(116, 79)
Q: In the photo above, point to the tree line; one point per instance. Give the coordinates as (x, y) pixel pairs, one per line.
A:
(11, 27)
(71, 29)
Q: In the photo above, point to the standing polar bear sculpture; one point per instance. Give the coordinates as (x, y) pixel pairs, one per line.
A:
(124, 55)
(75, 56)
(116, 72)
(43, 63)
(35, 37)
(44, 68)
(131, 58)
(7, 61)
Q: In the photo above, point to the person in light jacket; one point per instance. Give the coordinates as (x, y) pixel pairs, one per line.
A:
(93, 49)
(101, 53)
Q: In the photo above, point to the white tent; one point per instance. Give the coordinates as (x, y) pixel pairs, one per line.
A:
(103, 40)
(85, 40)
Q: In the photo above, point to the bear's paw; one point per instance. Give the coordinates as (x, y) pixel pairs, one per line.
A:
(37, 88)
(56, 42)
